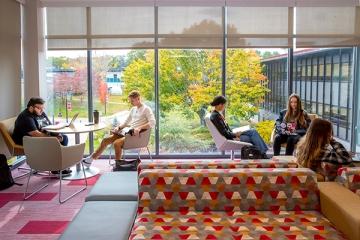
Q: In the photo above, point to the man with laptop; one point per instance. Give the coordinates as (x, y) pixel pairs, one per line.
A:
(32, 121)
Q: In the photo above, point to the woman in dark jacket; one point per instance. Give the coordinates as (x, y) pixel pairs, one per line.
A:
(250, 136)
(291, 125)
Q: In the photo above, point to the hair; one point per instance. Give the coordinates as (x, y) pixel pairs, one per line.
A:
(134, 94)
(310, 146)
(218, 100)
(35, 100)
(299, 114)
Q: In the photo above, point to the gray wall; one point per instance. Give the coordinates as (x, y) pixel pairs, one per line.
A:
(10, 58)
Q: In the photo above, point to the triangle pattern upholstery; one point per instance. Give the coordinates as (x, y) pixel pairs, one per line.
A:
(217, 164)
(230, 204)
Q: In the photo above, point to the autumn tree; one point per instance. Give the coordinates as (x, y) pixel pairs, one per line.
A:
(191, 78)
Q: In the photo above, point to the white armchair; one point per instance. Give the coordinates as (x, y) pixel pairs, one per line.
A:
(221, 142)
(46, 154)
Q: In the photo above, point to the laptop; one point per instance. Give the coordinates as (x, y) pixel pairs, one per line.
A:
(61, 125)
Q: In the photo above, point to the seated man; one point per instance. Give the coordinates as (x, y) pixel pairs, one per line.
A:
(140, 118)
(30, 123)
(250, 136)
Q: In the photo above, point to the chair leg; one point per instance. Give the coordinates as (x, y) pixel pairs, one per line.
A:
(148, 150)
(72, 195)
(22, 175)
(110, 163)
(36, 191)
(232, 154)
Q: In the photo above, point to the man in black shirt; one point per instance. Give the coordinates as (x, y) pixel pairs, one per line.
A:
(31, 121)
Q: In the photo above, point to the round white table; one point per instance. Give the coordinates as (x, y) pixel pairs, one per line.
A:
(77, 129)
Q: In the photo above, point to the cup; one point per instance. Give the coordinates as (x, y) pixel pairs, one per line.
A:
(96, 116)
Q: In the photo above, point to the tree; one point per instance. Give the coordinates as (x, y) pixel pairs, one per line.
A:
(59, 63)
(191, 78)
(102, 90)
(247, 84)
(267, 54)
(116, 63)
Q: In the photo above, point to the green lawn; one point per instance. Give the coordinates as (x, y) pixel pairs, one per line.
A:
(115, 104)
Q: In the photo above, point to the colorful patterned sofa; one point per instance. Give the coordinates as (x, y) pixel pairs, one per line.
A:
(217, 164)
(230, 204)
(350, 178)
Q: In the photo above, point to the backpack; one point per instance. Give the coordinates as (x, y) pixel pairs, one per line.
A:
(251, 152)
(6, 179)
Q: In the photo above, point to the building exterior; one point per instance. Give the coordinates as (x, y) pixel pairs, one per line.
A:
(323, 79)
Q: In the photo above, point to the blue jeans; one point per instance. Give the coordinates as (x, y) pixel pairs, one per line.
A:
(253, 137)
(65, 140)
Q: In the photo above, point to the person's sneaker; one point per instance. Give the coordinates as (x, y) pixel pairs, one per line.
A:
(121, 165)
(87, 161)
(64, 173)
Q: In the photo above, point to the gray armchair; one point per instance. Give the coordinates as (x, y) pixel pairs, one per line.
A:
(136, 142)
(46, 154)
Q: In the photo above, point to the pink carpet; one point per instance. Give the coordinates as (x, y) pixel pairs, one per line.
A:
(41, 217)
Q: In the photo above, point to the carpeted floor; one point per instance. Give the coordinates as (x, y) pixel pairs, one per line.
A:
(41, 217)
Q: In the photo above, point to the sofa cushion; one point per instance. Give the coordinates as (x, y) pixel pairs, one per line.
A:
(102, 220)
(342, 207)
(233, 225)
(217, 164)
(350, 177)
(115, 186)
(228, 189)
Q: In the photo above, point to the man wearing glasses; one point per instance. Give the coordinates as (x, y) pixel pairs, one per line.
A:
(30, 123)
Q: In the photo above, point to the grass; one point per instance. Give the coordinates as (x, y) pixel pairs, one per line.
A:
(115, 104)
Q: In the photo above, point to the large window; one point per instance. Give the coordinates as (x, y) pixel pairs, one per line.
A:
(188, 81)
(66, 78)
(328, 80)
(115, 73)
(181, 55)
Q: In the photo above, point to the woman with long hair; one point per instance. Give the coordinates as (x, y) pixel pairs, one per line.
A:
(291, 125)
(250, 136)
(318, 146)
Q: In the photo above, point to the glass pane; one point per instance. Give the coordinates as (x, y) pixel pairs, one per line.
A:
(330, 96)
(122, 20)
(190, 27)
(115, 74)
(256, 20)
(253, 74)
(188, 81)
(66, 21)
(325, 20)
(190, 20)
(66, 78)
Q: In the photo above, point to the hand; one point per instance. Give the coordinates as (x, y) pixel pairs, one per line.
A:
(115, 130)
(238, 135)
(136, 131)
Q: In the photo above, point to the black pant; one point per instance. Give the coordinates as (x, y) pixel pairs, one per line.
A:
(65, 140)
(290, 141)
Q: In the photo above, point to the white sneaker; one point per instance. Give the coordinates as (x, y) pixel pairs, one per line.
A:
(87, 161)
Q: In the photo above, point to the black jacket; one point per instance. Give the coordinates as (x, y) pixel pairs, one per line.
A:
(218, 120)
(299, 129)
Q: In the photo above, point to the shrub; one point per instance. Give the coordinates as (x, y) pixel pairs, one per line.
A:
(182, 134)
(265, 129)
